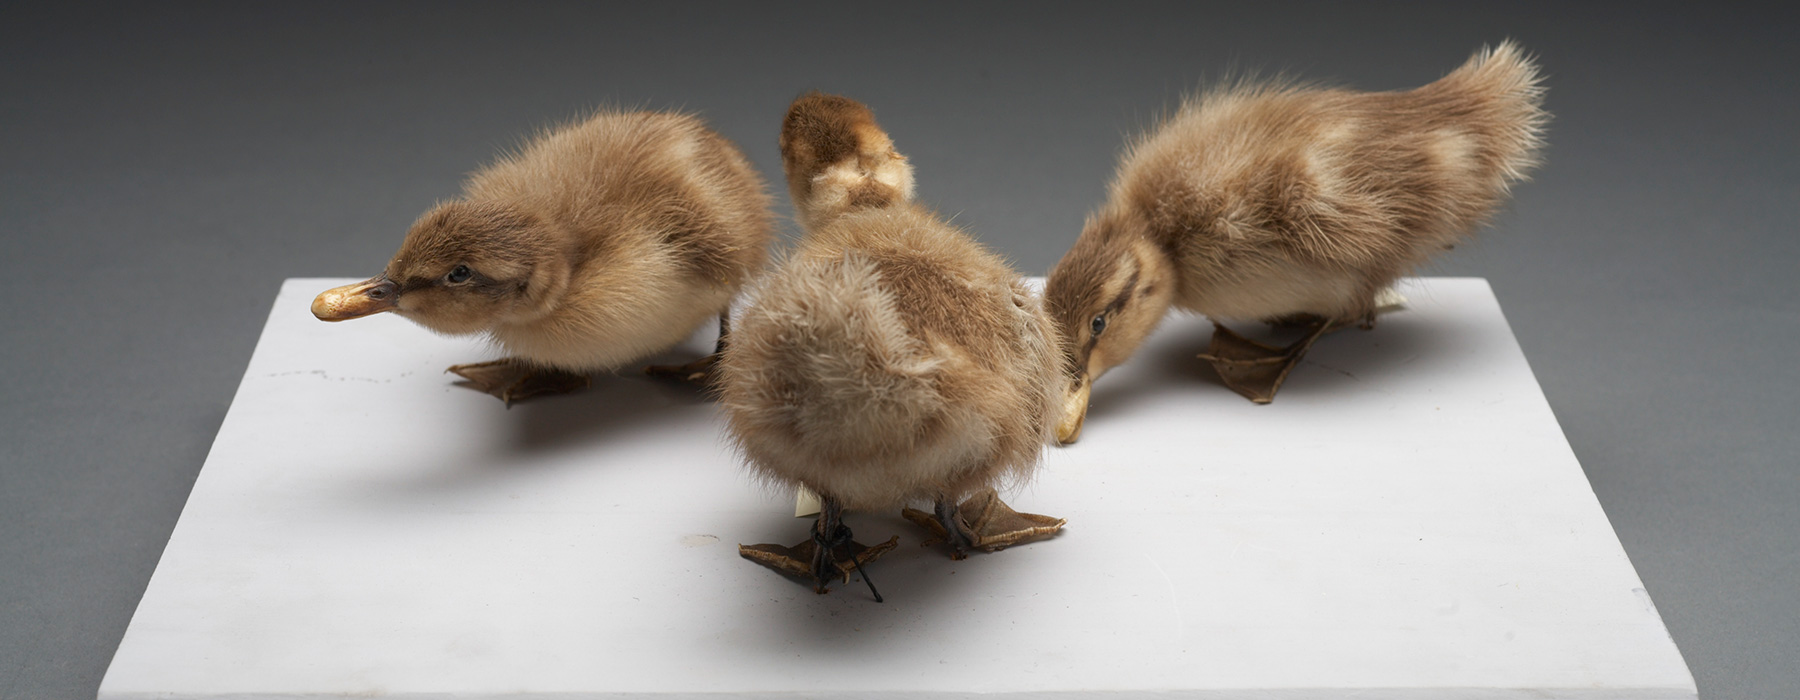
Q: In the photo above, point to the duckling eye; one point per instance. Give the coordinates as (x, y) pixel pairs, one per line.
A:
(459, 275)
(1099, 324)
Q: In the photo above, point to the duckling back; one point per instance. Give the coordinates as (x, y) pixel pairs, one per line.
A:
(662, 220)
(890, 358)
(1320, 197)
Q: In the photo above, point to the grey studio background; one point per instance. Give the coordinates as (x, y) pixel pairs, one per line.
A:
(164, 166)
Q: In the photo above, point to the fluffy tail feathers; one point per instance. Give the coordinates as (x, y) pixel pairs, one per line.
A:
(838, 159)
(828, 330)
(1501, 91)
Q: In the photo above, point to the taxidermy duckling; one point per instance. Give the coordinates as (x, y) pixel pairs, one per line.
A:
(1278, 202)
(596, 245)
(890, 359)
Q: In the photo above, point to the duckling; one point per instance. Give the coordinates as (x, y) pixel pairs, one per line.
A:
(1279, 202)
(597, 244)
(890, 359)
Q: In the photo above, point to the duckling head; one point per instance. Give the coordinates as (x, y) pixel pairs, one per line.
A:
(1107, 295)
(465, 267)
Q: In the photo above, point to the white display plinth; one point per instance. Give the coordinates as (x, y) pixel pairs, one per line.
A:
(1405, 521)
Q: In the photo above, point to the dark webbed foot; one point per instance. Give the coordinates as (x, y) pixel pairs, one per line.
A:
(1304, 322)
(830, 553)
(984, 522)
(699, 371)
(798, 560)
(512, 380)
(1253, 369)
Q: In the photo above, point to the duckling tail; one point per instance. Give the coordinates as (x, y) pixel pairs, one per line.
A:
(1499, 94)
(822, 364)
(838, 159)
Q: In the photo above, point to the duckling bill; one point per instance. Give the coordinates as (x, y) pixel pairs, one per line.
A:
(596, 245)
(889, 360)
(1274, 202)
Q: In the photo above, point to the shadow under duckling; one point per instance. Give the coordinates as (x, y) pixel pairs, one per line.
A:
(1288, 204)
(596, 245)
(889, 360)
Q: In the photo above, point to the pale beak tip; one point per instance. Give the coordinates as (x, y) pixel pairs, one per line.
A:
(322, 308)
(1067, 434)
(1074, 415)
(354, 300)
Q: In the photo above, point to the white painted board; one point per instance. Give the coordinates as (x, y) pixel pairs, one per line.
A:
(1406, 521)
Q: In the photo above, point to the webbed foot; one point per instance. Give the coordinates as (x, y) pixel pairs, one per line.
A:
(984, 522)
(830, 553)
(699, 371)
(798, 560)
(1253, 369)
(513, 380)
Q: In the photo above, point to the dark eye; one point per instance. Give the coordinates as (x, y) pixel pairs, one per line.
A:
(459, 275)
(1099, 324)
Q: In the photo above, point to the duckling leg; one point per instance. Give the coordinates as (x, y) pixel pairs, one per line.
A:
(993, 527)
(1253, 369)
(513, 380)
(830, 553)
(700, 370)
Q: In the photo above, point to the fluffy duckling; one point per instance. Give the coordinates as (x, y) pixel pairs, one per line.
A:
(1278, 202)
(596, 245)
(890, 359)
